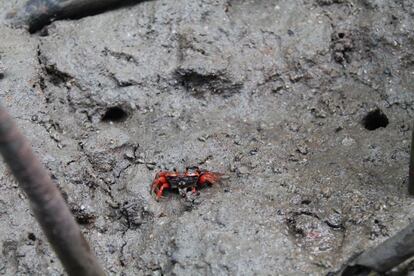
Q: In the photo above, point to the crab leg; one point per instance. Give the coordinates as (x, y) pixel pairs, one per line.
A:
(160, 191)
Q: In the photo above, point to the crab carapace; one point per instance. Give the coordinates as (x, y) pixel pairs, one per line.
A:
(192, 179)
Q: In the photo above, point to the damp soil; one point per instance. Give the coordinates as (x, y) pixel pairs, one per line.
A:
(306, 106)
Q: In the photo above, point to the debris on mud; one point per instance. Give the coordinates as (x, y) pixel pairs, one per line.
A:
(342, 46)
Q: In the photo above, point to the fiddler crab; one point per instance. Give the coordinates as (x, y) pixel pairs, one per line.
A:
(192, 179)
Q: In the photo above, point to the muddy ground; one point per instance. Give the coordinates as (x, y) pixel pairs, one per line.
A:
(305, 105)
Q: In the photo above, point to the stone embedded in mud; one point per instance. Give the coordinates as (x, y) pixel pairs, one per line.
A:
(83, 214)
(348, 141)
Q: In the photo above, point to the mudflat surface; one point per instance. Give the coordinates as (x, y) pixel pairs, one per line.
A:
(305, 105)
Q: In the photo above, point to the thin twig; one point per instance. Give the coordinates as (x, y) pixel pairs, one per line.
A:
(46, 201)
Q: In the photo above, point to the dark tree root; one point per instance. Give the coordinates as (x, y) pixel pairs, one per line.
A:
(46, 202)
(38, 13)
(385, 256)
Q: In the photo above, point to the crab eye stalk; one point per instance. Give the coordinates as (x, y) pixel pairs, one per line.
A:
(193, 169)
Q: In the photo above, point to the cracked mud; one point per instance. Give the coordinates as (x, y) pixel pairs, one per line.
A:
(306, 106)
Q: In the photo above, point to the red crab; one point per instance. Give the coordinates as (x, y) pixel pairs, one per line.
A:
(191, 179)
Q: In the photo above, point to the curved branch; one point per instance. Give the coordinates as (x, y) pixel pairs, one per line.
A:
(46, 201)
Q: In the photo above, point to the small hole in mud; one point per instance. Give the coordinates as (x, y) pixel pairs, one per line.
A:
(31, 236)
(85, 219)
(306, 202)
(115, 114)
(375, 119)
(341, 35)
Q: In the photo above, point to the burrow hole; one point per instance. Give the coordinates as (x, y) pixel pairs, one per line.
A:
(306, 202)
(375, 119)
(31, 236)
(115, 114)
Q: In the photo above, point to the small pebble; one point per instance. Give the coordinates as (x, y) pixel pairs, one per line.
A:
(35, 118)
(243, 170)
(276, 170)
(129, 154)
(150, 165)
(302, 149)
(347, 141)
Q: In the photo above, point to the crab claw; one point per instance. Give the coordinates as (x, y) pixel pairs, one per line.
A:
(210, 178)
(158, 185)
